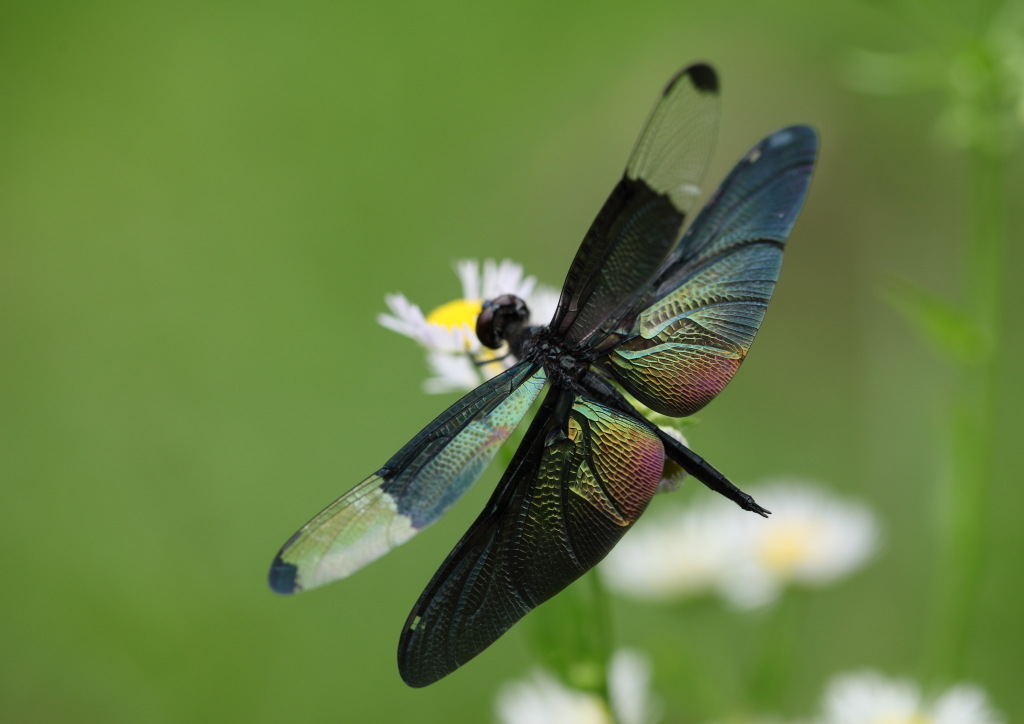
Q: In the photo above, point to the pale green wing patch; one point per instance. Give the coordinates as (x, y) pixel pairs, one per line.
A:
(354, 530)
(413, 490)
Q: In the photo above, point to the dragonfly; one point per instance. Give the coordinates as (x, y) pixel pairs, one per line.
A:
(647, 309)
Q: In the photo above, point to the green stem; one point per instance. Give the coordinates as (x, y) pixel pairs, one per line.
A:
(972, 429)
(603, 624)
(776, 653)
(571, 636)
(985, 256)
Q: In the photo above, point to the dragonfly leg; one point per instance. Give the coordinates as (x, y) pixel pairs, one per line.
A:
(482, 362)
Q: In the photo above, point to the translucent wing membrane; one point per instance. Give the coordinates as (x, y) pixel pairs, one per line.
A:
(688, 336)
(674, 149)
(583, 474)
(415, 488)
(640, 222)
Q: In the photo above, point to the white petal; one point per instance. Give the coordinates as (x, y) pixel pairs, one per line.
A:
(964, 704)
(542, 302)
(812, 538)
(629, 684)
(407, 320)
(503, 278)
(469, 339)
(746, 586)
(452, 373)
(677, 553)
(490, 368)
(469, 274)
(526, 286)
(870, 698)
(840, 535)
(542, 699)
(441, 338)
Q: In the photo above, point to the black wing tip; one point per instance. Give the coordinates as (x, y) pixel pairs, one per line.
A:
(701, 75)
(413, 681)
(415, 672)
(282, 577)
(416, 677)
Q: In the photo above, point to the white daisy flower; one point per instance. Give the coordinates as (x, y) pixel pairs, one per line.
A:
(455, 355)
(812, 538)
(543, 699)
(671, 554)
(871, 698)
(439, 336)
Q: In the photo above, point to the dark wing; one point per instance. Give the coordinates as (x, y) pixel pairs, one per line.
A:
(582, 475)
(641, 220)
(692, 330)
(414, 488)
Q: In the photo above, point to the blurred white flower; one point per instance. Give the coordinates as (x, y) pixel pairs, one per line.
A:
(543, 699)
(455, 355)
(870, 698)
(629, 688)
(452, 373)
(812, 538)
(671, 554)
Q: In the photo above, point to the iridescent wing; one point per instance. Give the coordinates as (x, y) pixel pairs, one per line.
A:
(640, 222)
(582, 475)
(413, 489)
(688, 335)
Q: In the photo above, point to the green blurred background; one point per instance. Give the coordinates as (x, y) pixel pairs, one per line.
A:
(201, 208)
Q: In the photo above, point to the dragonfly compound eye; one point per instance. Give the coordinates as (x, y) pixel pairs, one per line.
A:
(500, 318)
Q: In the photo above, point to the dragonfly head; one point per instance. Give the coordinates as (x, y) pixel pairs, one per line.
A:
(501, 319)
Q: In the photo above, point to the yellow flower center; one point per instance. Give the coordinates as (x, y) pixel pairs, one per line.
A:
(915, 718)
(457, 313)
(786, 548)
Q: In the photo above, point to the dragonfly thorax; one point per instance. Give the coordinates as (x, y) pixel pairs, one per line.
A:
(564, 365)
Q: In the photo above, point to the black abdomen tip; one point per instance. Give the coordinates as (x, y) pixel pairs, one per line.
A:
(282, 577)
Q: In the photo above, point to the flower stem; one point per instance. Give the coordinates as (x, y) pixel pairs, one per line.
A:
(776, 652)
(571, 636)
(603, 633)
(972, 427)
(603, 626)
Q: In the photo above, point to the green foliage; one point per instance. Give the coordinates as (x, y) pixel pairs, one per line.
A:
(201, 207)
(893, 73)
(950, 332)
(980, 66)
(571, 635)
